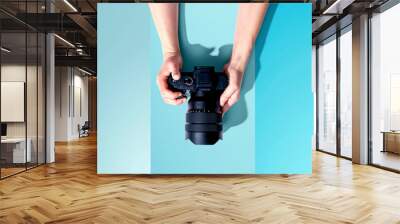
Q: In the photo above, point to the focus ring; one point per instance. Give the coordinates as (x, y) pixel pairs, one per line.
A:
(203, 127)
(203, 118)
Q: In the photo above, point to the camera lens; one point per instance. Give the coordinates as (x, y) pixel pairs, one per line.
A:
(204, 120)
(204, 87)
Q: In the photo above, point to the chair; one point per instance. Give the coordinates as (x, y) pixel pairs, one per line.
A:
(84, 129)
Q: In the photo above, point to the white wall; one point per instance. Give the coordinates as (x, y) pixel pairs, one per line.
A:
(62, 82)
(12, 73)
(13, 100)
(69, 112)
(16, 72)
(80, 112)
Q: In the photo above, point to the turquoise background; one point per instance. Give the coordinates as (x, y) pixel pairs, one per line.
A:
(268, 131)
(123, 133)
(284, 100)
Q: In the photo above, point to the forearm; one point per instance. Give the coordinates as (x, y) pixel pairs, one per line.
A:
(249, 20)
(165, 16)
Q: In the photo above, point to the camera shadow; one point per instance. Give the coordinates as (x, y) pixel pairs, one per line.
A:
(199, 55)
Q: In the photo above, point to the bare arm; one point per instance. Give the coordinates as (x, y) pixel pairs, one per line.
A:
(249, 20)
(165, 16)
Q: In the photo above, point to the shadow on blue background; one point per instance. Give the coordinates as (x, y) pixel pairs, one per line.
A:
(199, 55)
(195, 54)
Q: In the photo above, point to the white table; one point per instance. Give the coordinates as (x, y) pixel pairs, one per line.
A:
(19, 155)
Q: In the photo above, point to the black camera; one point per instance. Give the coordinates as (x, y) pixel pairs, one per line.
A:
(204, 87)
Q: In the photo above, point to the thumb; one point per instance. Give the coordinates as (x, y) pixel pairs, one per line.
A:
(176, 74)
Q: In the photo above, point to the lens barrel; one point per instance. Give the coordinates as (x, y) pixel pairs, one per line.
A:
(204, 120)
(203, 128)
(203, 87)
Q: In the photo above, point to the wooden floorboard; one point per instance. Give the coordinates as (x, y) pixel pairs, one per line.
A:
(70, 191)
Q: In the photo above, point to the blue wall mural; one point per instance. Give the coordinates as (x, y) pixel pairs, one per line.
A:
(268, 131)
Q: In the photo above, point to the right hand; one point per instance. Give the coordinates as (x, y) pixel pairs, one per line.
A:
(231, 94)
(171, 65)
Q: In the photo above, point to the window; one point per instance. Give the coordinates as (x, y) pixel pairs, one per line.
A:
(327, 95)
(385, 89)
(346, 92)
(22, 78)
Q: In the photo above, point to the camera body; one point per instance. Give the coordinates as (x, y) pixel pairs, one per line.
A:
(204, 87)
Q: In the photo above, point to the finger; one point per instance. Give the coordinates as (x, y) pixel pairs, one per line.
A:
(174, 101)
(229, 91)
(166, 93)
(164, 90)
(180, 101)
(169, 101)
(231, 101)
(174, 70)
(225, 108)
(234, 98)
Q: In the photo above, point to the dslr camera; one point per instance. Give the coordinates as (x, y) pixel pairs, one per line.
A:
(203, 87)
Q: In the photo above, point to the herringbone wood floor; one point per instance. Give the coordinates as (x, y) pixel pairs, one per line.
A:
(70, 191)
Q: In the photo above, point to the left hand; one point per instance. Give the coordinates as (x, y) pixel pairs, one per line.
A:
(172, 64)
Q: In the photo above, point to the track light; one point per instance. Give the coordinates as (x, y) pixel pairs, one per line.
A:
(70, 5)
(84, 71)
(337, 7)
(5, 50)
(65, 41)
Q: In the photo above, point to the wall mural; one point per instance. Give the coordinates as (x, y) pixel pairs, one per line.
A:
(269, 130)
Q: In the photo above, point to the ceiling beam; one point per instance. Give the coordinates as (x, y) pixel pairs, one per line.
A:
(84, 24)
(81, 61)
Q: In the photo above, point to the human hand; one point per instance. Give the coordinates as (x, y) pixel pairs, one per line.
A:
(249, 21)
(171, 65)
(232, 92)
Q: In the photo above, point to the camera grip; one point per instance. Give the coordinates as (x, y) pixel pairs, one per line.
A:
(183, 84)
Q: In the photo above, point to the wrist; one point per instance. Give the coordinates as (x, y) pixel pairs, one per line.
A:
(240, 57)
(171, 54)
